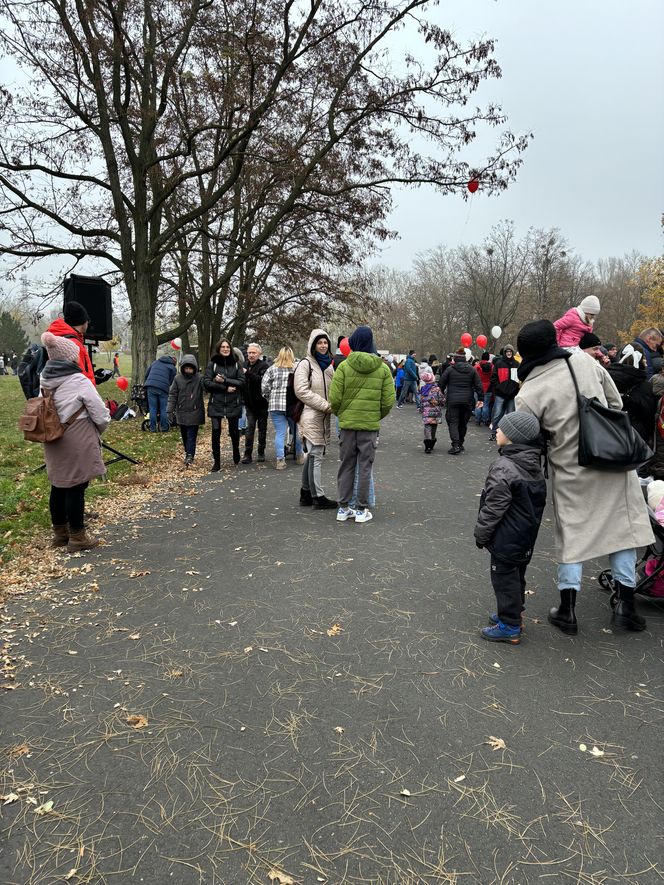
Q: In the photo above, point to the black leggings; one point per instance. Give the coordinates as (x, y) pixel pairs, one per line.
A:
(67, 506)
(233, 432)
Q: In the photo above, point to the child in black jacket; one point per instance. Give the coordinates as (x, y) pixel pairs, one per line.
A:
(511, 508)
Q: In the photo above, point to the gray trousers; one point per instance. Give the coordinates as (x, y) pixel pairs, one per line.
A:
(311, 472)
(356, 447)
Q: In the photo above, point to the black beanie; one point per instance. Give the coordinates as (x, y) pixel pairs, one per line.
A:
(362, 340)
(589, 339)
(536, 338)
(75, 314)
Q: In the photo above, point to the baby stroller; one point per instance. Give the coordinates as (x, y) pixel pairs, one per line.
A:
(649, 568)
(140, 399)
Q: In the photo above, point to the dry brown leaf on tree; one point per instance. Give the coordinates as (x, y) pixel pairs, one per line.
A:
(137, 720)
(496, 743)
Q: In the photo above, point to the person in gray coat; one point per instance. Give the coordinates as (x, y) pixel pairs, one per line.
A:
(185, 405)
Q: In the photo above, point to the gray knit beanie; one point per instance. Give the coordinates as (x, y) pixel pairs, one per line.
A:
(520, 427)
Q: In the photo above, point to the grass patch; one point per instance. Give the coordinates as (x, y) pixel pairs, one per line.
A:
(24, 490)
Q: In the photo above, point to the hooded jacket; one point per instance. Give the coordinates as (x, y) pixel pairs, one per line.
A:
(410, 369)
(64, 330)
(161, 373)
(362, 392)
(639, 400)
(512, 503)
(503, 380)
(224, 403)
(312, 386)
(570, 328)
(71, 390)
(460, 381)
(185, 398)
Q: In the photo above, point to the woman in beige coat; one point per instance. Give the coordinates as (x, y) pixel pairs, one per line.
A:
(313, 377)
(597, 513)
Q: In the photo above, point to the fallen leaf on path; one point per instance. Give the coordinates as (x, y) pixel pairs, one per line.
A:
(71, 652)
(248, 649)
(10, 686)
(339, 729)
(457, 780)
(71, 874)
(496, 743)
(134, 636)
(404, 792)
(280, 878)
(596, 752)
(335, 630)
(137, 720)
(45, 808)
(9, 798)
(138, 574)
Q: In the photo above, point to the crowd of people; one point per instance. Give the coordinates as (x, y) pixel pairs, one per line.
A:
(525, 395)
(8, 363)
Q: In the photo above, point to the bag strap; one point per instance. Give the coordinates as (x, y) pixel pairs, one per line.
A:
(576, 386)
(48, 394)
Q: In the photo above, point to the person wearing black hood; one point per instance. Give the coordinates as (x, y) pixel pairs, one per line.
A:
(224, 380)
(639, 400)
(185, 405)
(460, 381)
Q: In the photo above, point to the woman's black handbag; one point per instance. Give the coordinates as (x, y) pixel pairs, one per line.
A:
(607, 440)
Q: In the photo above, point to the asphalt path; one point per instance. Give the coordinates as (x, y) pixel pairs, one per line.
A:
(241, 690)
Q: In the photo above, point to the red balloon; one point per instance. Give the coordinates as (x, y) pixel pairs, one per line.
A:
(481, 341)
(122, 382)
(473, 185)
(466, 339)
(344, 346)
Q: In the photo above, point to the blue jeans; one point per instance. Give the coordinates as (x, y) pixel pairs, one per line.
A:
(281, 422)
(242, 423)
(407, 387)
(501, 406)
(356, 484)
(157, 405)
(623, 567)
(484, 414)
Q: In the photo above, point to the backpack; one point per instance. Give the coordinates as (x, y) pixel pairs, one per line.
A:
(29, 369)
(112, 407)
(39, 421)
(120, 411)
(294, 405)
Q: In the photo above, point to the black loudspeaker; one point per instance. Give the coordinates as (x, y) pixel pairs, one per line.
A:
(94, 293)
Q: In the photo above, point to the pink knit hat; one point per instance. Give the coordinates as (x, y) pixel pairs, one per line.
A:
(60, 348)
(427, 377)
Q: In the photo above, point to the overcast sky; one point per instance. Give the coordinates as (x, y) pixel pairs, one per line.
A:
(587, 78)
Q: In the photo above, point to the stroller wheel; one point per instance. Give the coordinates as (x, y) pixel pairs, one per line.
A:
(605, 580)
(613, 601)
(145, 425)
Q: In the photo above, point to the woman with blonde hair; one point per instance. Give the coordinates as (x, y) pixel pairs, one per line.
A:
(274, 388)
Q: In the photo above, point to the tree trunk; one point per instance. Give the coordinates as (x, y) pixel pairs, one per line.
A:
(143, 341)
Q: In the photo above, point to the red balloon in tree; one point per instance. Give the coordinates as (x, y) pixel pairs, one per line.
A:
(473, 185)
(466, 339)
(122, 382)
(344, 346)
(481, 341)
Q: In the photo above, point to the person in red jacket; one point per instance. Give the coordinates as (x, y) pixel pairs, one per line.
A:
(484, 369)
(74, 326)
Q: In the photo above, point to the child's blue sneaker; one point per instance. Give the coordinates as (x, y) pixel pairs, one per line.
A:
(502, 633)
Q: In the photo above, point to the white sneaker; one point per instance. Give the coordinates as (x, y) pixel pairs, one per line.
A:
(363, 515)
(344, 513)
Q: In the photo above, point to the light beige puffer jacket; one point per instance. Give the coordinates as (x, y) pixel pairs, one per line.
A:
(312, 386)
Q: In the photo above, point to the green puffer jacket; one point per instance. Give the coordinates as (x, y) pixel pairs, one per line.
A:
(362, 392)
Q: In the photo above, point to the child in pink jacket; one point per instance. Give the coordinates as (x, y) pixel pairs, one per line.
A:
(574, 324)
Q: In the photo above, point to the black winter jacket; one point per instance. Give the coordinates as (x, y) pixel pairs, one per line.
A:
(459, 381)
(502, 380)
(253, 377)
(185, 398)
(512, 504)
(639, 400)
(223, 404)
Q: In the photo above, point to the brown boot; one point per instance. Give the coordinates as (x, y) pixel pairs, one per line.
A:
(60, 535)
(80, 541)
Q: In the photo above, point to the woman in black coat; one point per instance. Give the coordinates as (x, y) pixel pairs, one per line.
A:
(224, 380)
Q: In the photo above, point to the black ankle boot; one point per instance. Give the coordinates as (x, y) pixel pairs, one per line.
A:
(564, 617)
(323, 503)
(625, 614)
(305, 498)
(427, 446)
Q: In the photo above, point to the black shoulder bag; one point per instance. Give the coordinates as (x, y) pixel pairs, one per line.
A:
(607, 440)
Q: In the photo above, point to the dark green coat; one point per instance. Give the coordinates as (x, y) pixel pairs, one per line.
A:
(362, 392)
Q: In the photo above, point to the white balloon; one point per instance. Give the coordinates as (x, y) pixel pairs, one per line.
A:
(496, 332)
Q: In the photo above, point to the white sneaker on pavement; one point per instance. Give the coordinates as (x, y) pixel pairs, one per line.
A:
(363, 515)
(344, 513)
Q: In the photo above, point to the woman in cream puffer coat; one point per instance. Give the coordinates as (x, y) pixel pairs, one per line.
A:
(313, 377)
